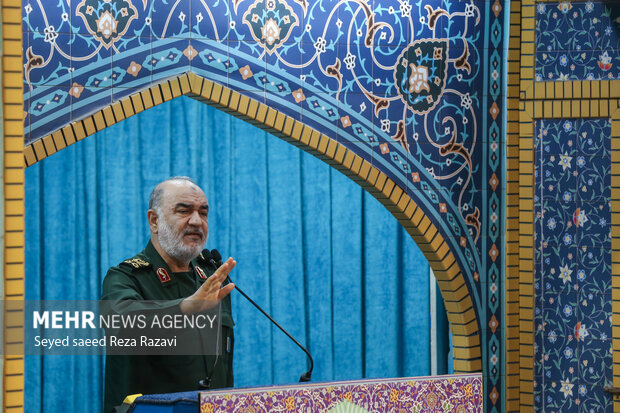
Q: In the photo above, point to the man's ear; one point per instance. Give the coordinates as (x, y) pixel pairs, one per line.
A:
(153, 219)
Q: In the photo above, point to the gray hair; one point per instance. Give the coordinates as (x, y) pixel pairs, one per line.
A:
(158, 191)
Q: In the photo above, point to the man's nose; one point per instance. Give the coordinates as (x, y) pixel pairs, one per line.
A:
(195, 219)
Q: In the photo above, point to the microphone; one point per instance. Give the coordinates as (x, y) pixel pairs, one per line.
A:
(215, 258)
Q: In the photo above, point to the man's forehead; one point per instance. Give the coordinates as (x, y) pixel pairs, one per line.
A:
(183, 192)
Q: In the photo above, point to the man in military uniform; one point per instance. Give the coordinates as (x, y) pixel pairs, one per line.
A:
(171, 270)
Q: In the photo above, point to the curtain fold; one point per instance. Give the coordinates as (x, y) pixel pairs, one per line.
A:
(323, 257)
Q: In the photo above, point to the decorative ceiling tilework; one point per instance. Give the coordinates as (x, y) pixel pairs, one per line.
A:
(412, 86)
(572, 318)
(577, 40)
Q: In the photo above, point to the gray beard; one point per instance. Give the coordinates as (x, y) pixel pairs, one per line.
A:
(172, 243)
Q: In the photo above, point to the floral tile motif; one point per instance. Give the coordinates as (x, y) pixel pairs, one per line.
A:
(572, 266)
(594, 179)
(460, 394)
(559, 180)
(594, 310)
(577, 41)
(594, 399)
(559, 230)
(591, 262)
(592, 221)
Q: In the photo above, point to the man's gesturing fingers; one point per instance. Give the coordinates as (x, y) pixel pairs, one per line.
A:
(222, 272)
(211, 288)
(210, 292)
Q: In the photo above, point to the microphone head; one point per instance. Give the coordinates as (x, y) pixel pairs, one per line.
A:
(215, 254)
(205, 255)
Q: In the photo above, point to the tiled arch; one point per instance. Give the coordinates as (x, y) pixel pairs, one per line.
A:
(451, 281)
(461, 315)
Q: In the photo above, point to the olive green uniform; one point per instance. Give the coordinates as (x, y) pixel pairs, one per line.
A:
(142, 278)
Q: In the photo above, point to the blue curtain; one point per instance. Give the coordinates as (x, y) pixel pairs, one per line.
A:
(327, 260)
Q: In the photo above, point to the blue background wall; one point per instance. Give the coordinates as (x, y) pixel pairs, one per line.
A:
(325, 258)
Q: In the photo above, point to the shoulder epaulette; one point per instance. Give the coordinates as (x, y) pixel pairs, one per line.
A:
(137, 263)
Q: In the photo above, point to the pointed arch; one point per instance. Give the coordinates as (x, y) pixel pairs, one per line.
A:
(458, 303)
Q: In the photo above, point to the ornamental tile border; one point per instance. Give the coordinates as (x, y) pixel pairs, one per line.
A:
(460, 394)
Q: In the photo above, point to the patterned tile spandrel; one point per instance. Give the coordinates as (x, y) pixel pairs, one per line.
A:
(171, 19)
(205, 25)
(316, 61)
(47, 18)
(577, 41)
(131, 68)
(48, 61)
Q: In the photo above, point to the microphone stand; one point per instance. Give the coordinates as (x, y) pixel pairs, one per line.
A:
(307, 375)
(214, 258)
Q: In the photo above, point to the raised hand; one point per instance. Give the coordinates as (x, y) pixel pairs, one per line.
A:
(211, 291)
